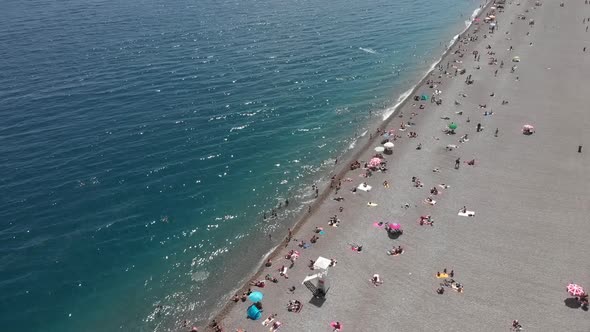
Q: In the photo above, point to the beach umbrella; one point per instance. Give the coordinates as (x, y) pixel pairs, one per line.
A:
(395, 226)
(253, 312)
(452, 126)
(575, 290)
(375, 162)
(379, 149)
(255, 296)
(389, 145)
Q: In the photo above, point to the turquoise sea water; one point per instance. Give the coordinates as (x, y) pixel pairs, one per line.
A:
(141, 141)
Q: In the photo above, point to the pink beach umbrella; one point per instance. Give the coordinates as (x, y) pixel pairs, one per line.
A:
(575, 290)
(375, 162)
(395, 226)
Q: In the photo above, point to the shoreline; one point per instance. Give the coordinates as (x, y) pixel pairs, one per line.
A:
(362, 143)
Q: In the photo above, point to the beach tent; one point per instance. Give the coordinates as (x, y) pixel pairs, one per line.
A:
(253, 312)
(255, 297)
(322, 263)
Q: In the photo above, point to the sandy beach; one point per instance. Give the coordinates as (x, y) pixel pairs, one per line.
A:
(530, 194)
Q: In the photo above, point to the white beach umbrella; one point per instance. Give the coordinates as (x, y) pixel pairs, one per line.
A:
(389, 145)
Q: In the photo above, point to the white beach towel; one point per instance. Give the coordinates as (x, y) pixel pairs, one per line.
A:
(466, 214)
(364, 188)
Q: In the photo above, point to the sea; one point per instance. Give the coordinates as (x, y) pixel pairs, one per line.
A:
(143, 141)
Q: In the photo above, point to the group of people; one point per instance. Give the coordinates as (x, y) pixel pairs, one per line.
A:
(376, 280)
(395, 251)
(294, 306)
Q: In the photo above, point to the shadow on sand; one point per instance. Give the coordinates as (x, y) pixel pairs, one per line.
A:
(573, 303)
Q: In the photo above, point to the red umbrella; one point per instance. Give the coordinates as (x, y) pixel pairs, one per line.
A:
(575, 290)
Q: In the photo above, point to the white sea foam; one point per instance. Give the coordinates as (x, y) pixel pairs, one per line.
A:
(238, 128)
(368, 50)
(389, 111)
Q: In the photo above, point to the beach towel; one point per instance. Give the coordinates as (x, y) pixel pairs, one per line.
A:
(376, 224)
(372, 204)
(334, 325)
(268, 321)
(466, 214)
(442, 276)
(364, 188)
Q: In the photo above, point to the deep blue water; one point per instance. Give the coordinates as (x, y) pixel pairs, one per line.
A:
(141, 140)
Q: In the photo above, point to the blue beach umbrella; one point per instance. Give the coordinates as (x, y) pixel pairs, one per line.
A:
(253, 312)
(255, 297)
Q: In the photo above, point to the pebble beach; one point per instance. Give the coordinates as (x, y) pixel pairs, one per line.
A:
(529, 193)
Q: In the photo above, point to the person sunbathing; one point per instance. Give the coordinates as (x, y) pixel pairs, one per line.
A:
(376, 280)
(259, 283)
(516, 325)
(271, 278)
(276, 325)
(294, 306)
(396, 251)
(269, 320)
(337, 326)
(283, 272)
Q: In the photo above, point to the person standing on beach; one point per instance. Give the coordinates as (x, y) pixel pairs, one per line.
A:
(496, 133)
(478, 127)
(457, 163)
